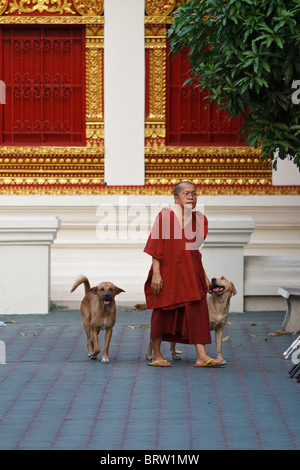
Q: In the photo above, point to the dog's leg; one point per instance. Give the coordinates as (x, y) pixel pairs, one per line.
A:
(95, 333)
(108, 334)
(89, 341)
(173, 352)
(218, 337)
(149, 351)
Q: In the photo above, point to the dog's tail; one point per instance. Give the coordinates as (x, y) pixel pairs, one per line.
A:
(82, 280)
(140, 306)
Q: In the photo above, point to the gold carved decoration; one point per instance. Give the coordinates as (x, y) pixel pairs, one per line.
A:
(61, 170)
(30, 6)
(80, 170)
(89, 7)
(94, 86)
(50, 170)
(159, 7)
(157, 88)
(3, 6)
(94, 78)
(215, 170)
(83, 7)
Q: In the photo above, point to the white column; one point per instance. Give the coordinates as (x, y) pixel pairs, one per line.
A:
(25, 263)
(223, 252)
(124, 92)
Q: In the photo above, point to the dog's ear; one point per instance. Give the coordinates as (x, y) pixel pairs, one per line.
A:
(233, 288)
(119, 290)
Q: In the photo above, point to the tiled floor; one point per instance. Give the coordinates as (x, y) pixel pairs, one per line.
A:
(52, 396)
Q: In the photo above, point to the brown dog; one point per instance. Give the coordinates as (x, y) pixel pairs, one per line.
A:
(218, 305)
(98, 310)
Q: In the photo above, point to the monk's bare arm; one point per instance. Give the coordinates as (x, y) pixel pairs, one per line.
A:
(156, 283)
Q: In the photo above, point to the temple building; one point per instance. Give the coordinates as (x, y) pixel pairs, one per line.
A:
(96, 129)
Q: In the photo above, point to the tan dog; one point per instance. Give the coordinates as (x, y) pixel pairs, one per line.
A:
(98, 310)
(218, 306)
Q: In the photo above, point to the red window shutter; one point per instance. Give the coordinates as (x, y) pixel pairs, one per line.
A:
(44, 74)
(188, 122)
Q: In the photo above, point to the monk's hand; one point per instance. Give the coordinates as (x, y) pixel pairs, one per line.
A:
(156, 283)
(208, 285)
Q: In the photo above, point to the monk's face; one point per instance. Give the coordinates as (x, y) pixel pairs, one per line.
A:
(187, 196)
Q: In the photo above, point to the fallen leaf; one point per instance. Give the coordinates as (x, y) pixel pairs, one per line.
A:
(40, 324)
(228, 322)
(136, 327)
(226, 338)
(265, 340)
(253, 324)
(22, 333)
(277, 333)
(11, 321)
(242, 344)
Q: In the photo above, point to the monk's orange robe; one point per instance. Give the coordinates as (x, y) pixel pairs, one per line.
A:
(180, 310)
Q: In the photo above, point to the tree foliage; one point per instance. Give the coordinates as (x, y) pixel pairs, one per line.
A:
(247, 54)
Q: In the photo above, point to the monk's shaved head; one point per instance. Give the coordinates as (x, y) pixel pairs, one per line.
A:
(177, 188)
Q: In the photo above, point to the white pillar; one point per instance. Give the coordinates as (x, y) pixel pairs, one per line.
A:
(25, 263)
(223, 252)
(124, 92)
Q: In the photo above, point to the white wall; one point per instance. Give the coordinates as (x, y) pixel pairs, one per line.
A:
(287, 174)
(272, 256)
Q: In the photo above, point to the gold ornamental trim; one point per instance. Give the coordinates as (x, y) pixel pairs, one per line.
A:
(53, 20)
(21, 6)
(30, 170)
(94, 185)
(159, 7)
(54, 150)
(90, 8)
(3, 6)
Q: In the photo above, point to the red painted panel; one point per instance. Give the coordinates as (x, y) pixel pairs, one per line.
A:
(188, 122)
(44, 73)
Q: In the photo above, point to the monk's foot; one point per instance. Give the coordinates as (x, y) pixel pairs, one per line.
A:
(203, 361)
(158, 357)
(159, 361)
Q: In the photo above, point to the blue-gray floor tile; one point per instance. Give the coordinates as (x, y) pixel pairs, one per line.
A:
(53, 397)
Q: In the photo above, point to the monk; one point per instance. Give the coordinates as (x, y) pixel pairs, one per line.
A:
(177, 284)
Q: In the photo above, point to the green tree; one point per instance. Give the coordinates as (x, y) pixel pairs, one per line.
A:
(247, 54)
